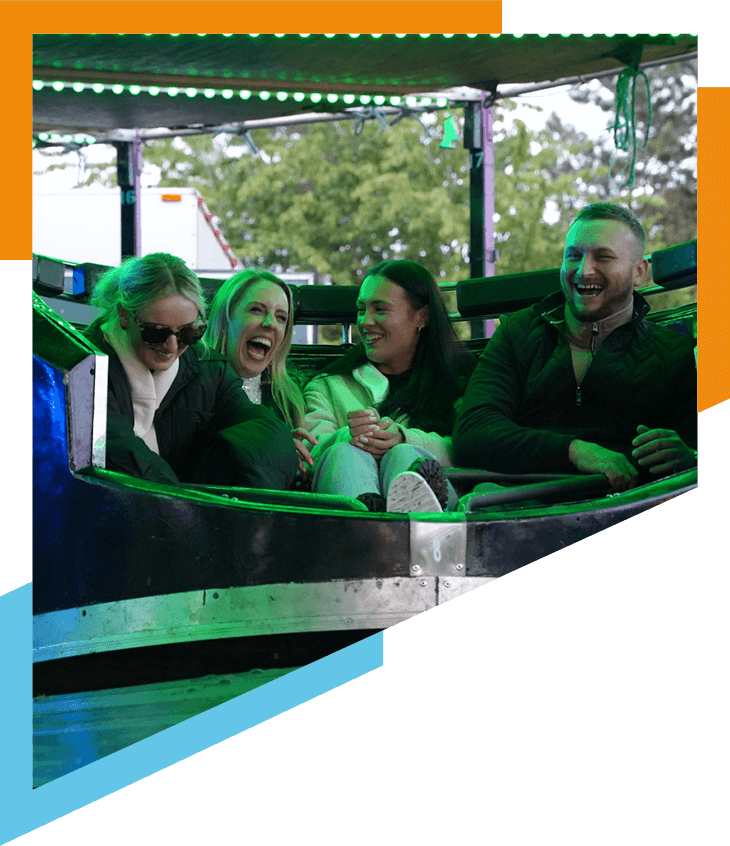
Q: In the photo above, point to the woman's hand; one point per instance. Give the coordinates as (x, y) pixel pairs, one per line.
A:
(305, 459)
(362, 422)
(384, 437)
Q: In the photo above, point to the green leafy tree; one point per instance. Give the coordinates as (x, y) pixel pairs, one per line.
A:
(323, 198)
(527, 187)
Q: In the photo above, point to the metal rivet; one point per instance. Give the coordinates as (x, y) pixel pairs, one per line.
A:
(447, 583)
(349, 621)
(459, 566)
(423, 583)
(416, 568)
(379, 583)
(215, 596)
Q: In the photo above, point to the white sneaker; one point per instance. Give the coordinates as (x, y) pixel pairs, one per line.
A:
(411, 492)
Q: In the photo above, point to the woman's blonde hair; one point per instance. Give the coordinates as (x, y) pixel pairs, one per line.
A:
(141, 281)
(286, 393)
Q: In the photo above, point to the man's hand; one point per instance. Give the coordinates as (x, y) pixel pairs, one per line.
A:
(384, 437)
(591, 458)
(662, 451)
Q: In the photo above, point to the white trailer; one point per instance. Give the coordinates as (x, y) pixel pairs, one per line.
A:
(84, 225)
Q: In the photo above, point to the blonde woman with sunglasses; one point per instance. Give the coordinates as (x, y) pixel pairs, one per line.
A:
(176, 412)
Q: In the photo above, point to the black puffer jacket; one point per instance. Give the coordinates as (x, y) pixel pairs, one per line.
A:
(208, 431)
(522, 409)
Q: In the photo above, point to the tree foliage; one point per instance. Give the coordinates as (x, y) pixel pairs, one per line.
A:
(323, 198)
(664, 195)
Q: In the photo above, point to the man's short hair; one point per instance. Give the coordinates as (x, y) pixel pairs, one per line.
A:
(612, 211)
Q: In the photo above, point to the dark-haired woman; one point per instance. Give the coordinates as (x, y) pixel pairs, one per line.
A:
(176, 412)
(383, 413)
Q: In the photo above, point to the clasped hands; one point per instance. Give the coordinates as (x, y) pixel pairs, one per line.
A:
(661, 451)
(371, 433)
(368, 431)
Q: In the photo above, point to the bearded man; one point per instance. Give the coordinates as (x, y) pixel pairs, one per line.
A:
(582, 380)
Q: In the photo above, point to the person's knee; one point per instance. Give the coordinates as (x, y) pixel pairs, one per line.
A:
(343, 469)
(401, 453)
(341, 459)
(342, 453)
(403, 449)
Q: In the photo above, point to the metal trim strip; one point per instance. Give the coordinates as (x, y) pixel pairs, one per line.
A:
(231, 612)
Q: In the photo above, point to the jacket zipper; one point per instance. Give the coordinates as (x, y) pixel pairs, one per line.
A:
(594, 335)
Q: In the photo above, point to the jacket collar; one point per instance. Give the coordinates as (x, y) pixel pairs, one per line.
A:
(372, 380)
(552, 310)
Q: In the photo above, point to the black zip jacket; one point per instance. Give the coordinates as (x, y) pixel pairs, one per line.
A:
(208, 431)
(522, 407)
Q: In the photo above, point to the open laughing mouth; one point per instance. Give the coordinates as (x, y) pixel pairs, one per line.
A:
(587, 290)
(162, 353)
(373, 339)
(258, 347)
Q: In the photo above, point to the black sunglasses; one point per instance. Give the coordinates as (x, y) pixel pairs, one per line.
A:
(157, 335)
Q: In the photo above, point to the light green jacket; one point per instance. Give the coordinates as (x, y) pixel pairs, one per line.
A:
(329, 399)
